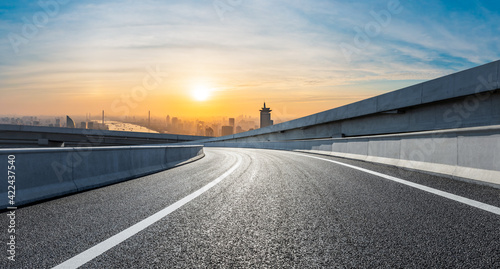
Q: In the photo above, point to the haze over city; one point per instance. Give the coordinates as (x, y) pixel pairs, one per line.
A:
(202, 59)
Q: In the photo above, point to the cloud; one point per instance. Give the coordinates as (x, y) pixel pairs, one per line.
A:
(260, 45)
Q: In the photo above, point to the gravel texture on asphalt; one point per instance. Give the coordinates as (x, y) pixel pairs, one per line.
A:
(276, 210)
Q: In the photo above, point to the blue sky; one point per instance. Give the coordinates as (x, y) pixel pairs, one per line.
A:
(290, 53)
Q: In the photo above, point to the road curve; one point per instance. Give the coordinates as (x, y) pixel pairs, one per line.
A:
(265, 209)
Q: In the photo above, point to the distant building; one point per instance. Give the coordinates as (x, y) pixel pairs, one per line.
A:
(83, 125)
(58, 123)
(69, 122)
(200, 128)
(175, 123)
(209, 131)
(90, 125)
(231, 122)
(99, 126)
(265, 117)
(216, 128)
(239, 130)
(227, 130)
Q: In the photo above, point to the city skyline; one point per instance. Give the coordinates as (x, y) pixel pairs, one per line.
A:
(207, 59)
(169, 124)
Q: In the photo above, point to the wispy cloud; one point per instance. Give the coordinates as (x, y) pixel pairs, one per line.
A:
(260, 47)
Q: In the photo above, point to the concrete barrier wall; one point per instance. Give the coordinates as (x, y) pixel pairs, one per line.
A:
(47, 173)
(466, 153)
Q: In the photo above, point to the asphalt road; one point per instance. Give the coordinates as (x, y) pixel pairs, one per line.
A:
(266, 209)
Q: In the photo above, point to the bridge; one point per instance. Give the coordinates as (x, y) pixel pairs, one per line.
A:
(410, 178)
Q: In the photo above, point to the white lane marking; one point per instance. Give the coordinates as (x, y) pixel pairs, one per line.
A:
(109, 243)
(460, 199)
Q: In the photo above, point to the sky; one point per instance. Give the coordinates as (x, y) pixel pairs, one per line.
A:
(204, 58)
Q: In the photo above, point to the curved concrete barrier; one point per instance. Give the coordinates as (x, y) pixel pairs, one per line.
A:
(47, 173)
(466, 153)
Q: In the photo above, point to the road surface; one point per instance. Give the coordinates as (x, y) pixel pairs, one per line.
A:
(241, 208)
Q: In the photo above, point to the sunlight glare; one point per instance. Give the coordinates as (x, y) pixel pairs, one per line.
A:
(200, 93)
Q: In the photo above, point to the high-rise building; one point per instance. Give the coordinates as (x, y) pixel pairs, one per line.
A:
(83, 125)
(58, 123)
(175, 123)
(265, 117)
(231, 123)
(216, 128)
(69, 122)
(200, 128)
(227, 130)
(209, 131)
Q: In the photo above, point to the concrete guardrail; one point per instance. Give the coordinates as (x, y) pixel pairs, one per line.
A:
(51, 172)
(466, 153)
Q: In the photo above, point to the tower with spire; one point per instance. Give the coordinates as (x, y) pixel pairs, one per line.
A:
(265, 117)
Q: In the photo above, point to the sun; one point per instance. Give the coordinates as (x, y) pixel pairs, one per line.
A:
(200, 93)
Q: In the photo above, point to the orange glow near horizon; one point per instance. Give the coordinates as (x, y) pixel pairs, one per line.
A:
(179, 58)
(182, 98)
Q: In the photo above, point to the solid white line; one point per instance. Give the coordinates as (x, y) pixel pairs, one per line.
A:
(104, 246)
(460, 199)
